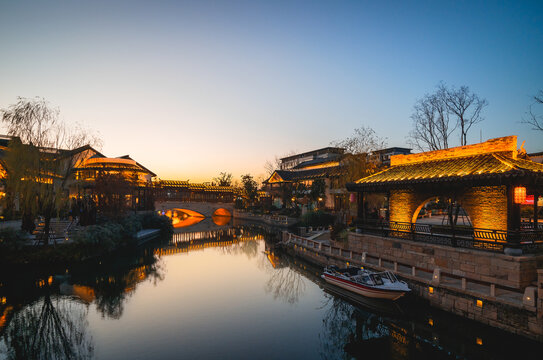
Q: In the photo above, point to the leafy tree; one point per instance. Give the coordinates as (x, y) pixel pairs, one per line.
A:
(535, 119)
(224, 179)
(40, 158)
(249, 187)
(111, 191)
(317, 189)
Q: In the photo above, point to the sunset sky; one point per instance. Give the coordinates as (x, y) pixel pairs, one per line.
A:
(190, 89)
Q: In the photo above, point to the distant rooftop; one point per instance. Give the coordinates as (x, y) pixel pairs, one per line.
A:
(326, 150)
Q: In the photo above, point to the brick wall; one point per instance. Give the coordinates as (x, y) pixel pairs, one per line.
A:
(403, 203)
(506, 145)
(486, 206)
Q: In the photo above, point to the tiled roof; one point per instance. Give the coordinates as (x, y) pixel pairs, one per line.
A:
(318, 161)
(461, 168)
(174, 183)
(311, 174)
(195, 186)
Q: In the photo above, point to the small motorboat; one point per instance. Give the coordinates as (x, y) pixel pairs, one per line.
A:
(379, 285)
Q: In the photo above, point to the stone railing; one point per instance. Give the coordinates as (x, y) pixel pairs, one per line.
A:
(526, 240)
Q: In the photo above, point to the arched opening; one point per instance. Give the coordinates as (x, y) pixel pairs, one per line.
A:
(221, 217)
(222, 212)
(442, 212)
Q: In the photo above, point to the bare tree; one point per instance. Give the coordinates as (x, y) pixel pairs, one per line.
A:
(431, 123)
(40, 157)
(466, 106)
(535, 119)
(271, 165)
(363, 141)
(437, 116)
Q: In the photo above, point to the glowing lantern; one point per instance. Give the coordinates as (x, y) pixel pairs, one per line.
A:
(519, 194)
(352, 198)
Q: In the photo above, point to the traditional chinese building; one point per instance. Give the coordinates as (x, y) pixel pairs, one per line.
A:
(300, 171)
(488, 180)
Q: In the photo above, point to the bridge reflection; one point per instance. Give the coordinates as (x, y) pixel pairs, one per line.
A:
(198, 240)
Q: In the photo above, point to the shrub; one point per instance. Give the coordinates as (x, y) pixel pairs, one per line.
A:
(107, 236)
(317, 218)
(130, 226)
(11, 239)
(155, 221)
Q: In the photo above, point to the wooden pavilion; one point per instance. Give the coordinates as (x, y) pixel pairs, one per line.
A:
(490, 181)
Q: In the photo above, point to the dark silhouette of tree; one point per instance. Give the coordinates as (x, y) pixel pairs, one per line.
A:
(224, 179)
(250, 188)
(286, 284)
(431, 122)
(466, 107)
(52, 328)
(437, 116)
(535, 119)
(111, 191)
(317, 189)
(363, 141)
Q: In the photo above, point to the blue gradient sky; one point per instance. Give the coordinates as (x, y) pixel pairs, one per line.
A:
(190, 89)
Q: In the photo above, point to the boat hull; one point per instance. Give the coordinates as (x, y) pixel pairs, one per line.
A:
(367, 291)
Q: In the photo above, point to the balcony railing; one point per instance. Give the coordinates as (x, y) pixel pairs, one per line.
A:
(529, 240)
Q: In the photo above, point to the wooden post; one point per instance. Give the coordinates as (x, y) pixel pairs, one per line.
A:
(536, 216)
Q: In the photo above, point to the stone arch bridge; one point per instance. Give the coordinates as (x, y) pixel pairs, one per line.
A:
(207, 209)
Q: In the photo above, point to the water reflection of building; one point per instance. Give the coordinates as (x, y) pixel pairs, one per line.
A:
(186, 242)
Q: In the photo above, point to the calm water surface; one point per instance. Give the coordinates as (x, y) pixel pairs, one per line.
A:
(221, 293)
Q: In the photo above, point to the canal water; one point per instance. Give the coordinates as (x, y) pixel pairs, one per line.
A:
(222, 292)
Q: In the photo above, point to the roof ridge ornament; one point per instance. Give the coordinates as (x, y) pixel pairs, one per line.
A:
(505, 145)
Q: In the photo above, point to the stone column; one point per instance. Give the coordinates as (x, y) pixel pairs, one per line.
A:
(436, 277)
(540, 293)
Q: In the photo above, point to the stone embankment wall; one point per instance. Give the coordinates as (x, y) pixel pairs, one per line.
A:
(516, 272)
(449, 278)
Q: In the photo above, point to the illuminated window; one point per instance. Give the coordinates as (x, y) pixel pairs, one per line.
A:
(479, 341)
(479, 303)
(431, 290)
